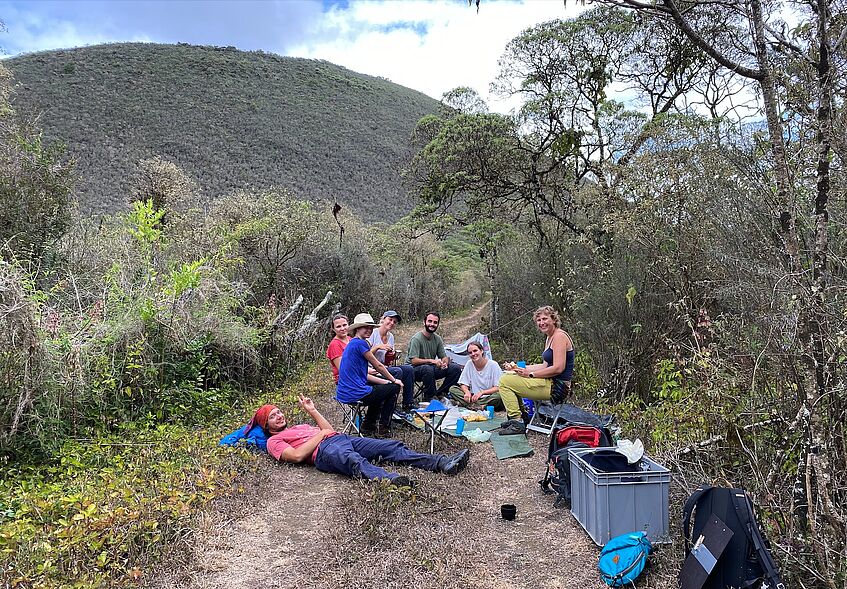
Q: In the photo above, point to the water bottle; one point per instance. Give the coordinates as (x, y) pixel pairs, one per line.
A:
(529, 406)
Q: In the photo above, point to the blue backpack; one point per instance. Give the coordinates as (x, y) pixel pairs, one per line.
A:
(623, 558)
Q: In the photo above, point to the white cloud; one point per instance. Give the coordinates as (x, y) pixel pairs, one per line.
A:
(30, 31)
(431, 46)
(458, 46)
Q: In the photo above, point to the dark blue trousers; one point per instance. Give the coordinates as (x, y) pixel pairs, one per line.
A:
(428, 374)
(406, 374)
(355, 457)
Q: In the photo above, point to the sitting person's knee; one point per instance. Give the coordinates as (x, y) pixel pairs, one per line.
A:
(424, 371)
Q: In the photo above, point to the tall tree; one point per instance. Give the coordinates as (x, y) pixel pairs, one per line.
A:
(753, 44)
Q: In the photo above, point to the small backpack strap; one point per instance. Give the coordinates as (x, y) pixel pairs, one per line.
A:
(744, 511)
(686, 513)
(554, 440)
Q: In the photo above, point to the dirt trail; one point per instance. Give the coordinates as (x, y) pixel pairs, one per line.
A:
(296, 527)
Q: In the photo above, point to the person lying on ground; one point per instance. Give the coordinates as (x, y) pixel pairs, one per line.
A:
(331, 451)
(430, 361)
(353, 386)
(382, 346)
(549, 380)
(479, 383)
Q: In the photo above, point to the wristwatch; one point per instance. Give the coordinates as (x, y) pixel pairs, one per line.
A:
(531, 375)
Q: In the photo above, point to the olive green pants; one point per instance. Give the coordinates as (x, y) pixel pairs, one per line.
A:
(513, 386)
(458, 397)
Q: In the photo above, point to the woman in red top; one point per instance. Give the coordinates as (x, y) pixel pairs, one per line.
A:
(338, 343)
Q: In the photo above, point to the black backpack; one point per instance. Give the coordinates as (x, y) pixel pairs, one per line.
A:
(557, 472)
(745, 561)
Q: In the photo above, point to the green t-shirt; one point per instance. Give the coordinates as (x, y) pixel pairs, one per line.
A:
(428, 349)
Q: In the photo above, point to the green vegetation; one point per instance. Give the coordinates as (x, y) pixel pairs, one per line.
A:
(104, 511)
(231, 119)
(126, 339)
(693, 237)
(101, 512)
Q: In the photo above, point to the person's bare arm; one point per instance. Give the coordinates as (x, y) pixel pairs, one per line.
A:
(309, 407)
(380, 367)
(560, 344)
(297, 455)
(466, 392)
(422, 361)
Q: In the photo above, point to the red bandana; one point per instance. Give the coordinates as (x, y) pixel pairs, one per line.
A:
(260, 418)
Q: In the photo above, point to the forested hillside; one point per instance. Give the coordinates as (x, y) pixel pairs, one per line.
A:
(230, 119)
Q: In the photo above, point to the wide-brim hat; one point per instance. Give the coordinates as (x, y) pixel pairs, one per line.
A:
(363, 320)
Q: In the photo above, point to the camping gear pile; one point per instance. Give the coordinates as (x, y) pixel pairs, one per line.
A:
(608, 483)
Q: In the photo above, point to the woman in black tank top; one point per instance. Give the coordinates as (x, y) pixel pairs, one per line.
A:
(549, 380)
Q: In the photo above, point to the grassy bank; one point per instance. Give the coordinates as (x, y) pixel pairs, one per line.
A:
(103, 511)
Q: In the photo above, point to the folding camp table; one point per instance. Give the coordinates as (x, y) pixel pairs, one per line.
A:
(431, 424)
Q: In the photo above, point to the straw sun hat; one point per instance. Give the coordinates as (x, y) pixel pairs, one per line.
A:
(363, 320)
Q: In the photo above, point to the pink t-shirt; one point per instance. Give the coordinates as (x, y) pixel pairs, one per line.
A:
(292, 437)
(335, 350)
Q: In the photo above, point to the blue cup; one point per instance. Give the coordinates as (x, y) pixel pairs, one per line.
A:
(521, 364)
(460, 427)
(490, 409)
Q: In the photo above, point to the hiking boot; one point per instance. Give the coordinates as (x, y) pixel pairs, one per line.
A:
(402, 481)
(451, 465)
(368, 432)
(510, 422)
(514, 428)
(382, 431)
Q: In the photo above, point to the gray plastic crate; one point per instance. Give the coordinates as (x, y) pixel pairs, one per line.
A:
(609, 504)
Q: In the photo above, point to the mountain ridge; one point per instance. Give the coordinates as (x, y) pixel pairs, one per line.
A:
(231, 119)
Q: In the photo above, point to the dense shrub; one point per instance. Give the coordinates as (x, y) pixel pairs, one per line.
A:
(172, 321)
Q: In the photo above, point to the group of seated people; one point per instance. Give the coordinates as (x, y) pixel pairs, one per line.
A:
(358, 354)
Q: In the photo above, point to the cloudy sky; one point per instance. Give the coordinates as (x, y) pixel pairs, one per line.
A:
(431, 46)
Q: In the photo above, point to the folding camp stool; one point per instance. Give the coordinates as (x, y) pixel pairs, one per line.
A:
(545, 417)
(353, 416)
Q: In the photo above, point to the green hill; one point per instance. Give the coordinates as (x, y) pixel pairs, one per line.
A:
(229, 118)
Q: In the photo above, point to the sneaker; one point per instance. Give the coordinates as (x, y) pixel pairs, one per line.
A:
(403, 416)
(451, 465)
(514, 428)
(402, 481)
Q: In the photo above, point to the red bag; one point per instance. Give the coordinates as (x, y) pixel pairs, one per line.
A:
(590, 436)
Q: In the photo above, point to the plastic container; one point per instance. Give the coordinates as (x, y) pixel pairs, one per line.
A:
(608, 504)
